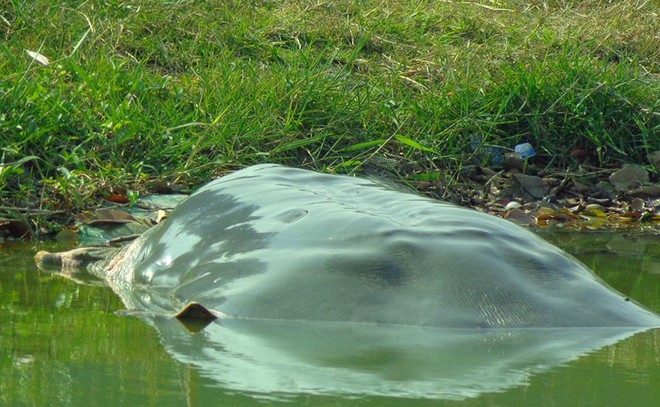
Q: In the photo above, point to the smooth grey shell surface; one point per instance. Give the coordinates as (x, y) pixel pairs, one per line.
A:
(276, 243)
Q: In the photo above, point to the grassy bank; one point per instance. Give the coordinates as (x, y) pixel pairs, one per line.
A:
(183, 90)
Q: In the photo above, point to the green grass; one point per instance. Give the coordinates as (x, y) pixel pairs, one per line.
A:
(184, 90)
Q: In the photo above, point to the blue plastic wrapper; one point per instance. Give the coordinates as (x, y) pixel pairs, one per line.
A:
(525, 150)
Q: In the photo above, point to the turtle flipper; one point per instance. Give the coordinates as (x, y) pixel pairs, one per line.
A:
(195, 317)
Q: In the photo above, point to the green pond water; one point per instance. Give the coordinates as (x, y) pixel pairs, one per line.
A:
(62, 344)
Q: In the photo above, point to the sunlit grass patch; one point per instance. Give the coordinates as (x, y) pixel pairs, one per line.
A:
(181, 90)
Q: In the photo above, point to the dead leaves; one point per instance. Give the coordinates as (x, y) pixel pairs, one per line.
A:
(580, 213)
(586, 198)
(590, 216)
(105, 217)
(113, 224)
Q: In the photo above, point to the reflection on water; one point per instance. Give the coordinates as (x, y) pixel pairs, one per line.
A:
(285, 357)
(61, 344)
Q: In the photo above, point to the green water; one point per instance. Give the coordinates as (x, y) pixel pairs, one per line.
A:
(61, 344)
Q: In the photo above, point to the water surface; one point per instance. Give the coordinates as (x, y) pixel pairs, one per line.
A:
(61, 343)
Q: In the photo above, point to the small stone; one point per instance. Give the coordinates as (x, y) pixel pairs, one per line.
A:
(646, 191)
(581, 188)
(637, 205)
(603, 190)
(628, 177)
(520, 217)
(531, 185)
(654, 159)
(513, 160)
